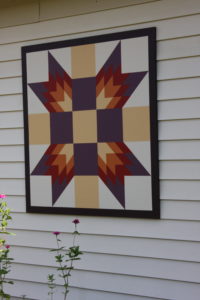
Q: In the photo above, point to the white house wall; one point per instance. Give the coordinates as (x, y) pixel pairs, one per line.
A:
(125, 259)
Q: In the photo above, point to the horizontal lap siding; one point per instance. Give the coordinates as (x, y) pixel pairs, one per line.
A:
(159, 259)
(169, 249)
(32, 289)
(125, 284)
(170, 208)
(109, 263)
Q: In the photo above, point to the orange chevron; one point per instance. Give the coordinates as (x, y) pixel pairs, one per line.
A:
(56, 107)
(70, 165)
(99, 86)
(115, 147)
(58, 93)
(68, 89)
(57, 149)
(60, 162)
(114, 102)
(102, 165)
(56, 89)
(110, 88)
(112, 161)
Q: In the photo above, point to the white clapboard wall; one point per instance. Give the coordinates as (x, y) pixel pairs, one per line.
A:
(124, 259)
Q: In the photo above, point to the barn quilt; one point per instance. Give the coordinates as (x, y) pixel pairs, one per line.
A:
(91, 125)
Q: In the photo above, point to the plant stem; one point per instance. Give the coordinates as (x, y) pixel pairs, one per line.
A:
(71, 261)
(1, 280)
(63, 274)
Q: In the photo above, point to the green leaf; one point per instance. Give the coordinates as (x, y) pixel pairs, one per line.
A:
(76, 232)
(3, 271)
(52, 250)
(9, 282)
(61, 269)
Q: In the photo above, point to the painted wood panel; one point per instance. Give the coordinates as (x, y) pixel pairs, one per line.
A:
(179, 109)
(169, 150)
(17, 203)
(168, 130)
(182, 47)
(180, 170)
(170, 89)
(11, 102)
(178, 89)
(166, 49)
(154, 287)
(166, 69)
(180, 189)
(50, 9)
(18, 12)
(168, 248)
(10, 86)
(179, 130)
(178, 68)
(185, 210)
(12, 153)
(12, 186)
(32, 289)
(179, 150)
(170, 189)
(168, 170)
(170, 209)
(10, 68)
(11, 120)
(174, 27)
(12, 170)
(118, 245)
(134, 266)
(11, 136)
(111, 226)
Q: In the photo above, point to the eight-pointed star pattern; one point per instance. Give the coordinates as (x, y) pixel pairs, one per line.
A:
(95, 150)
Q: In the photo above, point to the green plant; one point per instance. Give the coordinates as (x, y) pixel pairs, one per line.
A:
(65, 258)
(51, 285)
(5, 260)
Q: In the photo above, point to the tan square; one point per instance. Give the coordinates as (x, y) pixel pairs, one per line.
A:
(136, 124)
(83, 61)
(39, 129)
(85, 126)
(86, 191)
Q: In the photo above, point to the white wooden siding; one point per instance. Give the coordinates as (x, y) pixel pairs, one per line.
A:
(129, 259)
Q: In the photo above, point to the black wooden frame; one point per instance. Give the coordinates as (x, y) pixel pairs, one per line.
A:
(155, 212)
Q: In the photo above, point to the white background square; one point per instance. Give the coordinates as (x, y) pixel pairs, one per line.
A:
(135, 57)
(37, 66)
(138, 195)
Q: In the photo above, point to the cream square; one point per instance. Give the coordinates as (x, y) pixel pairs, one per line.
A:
(37, 66)
(135, 57)
(85, 126)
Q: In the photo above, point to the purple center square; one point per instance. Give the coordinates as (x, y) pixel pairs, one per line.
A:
(84, 93)
(109, 124)
(61, 127)
(85, 159)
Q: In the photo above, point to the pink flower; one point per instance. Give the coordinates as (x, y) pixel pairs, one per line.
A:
(56, 232)
(76, 221)
(7, 246)
(2, 196)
